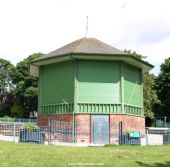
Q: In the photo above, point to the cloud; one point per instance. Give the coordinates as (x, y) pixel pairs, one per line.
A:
(43, 25)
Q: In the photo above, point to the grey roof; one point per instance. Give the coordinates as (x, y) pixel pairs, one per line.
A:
(84, 45)
(89, 46)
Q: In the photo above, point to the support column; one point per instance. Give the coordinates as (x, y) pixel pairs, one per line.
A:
(75, 101)
(122, 86)
(75, 86)
(142, 77)
(39, 112)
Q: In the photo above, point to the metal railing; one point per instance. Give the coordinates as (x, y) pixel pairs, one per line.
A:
(157, 136)
(17, 120)
(64, 133)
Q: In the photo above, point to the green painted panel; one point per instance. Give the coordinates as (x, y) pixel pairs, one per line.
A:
(132, 85)
(57, 83)
(99, 108)
(56, 109)
(98, 82)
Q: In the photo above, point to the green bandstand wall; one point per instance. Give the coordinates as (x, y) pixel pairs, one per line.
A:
(90, 86)
(56, 82)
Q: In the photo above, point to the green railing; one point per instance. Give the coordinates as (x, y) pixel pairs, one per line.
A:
(98, 108)
(132, 109)
(60, 108)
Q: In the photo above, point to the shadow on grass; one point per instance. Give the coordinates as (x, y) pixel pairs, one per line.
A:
(166, 164)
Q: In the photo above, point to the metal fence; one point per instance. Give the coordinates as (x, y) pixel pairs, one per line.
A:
(157, 136)
(19, 133)
(64, 133)
(17, 120)
(60, 132)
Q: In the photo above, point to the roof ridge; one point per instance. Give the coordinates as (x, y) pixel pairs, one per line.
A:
(80, 41)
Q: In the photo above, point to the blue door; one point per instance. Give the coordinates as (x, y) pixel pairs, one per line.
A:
(100, 129)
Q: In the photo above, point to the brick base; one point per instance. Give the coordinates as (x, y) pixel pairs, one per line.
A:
(43, 120)
(128, 121)
(83, 123)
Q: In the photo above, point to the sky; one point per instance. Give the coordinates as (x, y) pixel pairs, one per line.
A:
(31, 26)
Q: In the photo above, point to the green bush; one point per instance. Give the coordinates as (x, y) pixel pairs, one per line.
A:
(17, 111)
(30, 126)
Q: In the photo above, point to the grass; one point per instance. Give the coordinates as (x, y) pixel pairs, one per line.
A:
(34, 155)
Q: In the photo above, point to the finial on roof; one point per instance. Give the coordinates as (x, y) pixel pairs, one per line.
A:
(86, 27)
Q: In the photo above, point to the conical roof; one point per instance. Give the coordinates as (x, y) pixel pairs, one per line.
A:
(85, 45)
(89, 48)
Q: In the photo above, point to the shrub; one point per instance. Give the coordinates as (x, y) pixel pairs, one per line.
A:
(17, 111)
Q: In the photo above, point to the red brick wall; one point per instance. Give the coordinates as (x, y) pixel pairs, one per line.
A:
(43, 120)
(128, 121)
(84, 124)
(83, 128)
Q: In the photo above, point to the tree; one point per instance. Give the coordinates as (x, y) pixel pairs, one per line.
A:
(26, 91)
(6, 87)
(6, 83)
(150, 96)
(149, 92)
(163, 86)
(135, 54)
(17, 111)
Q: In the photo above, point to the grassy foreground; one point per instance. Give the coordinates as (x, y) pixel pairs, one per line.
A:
(34, 155)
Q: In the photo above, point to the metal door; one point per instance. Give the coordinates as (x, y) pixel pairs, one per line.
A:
(100, 129)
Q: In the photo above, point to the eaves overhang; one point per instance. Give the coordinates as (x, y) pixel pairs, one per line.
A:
(128, 58)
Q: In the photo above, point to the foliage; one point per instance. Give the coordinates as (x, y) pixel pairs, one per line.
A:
(128, 130)
(30, 126)
(150, 96)
(5, 77)
(17, 111)
(26, 91)
(6, 87)
(17, 86)
(31, 94)
(163, 86)
(135, 54)
(2, 109)
(37, 155)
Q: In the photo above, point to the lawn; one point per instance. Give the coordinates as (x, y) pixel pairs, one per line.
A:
(34, 155)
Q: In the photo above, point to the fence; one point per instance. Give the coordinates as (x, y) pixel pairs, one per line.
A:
(17, 120)
(19, 133)
(157, 136)
(60, 132)
(161, 123)
(64, 133)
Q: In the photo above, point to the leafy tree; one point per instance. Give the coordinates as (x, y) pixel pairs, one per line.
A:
(149, 93)
(6, 83)
(150, 96)
(163, 86)
(26, 90)
(6, 86)
(133, 53)
(8, 102)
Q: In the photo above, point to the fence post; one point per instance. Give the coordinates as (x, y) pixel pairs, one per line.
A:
(73, 128)
(146, 136)
(49, 131)
(14, 130)
(120, 133)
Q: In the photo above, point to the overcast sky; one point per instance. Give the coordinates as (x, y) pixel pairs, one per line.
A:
(31, 26)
